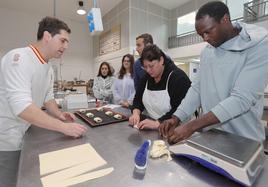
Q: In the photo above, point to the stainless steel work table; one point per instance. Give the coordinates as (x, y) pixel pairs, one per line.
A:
(117, 144)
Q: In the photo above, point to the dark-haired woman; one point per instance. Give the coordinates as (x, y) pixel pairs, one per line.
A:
(124, 89)
(102, 87)
(160, 91)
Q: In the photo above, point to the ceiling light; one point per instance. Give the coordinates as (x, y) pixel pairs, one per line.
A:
(180, 63)
(195, 60)
(81, 10)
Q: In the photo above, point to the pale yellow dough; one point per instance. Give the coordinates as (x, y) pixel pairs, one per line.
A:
(159, 149)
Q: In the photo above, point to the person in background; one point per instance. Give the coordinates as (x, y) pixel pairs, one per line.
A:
(26, 84)
(102, 86)
(160, 91)
(231, 81)
(141, 41)
(124, 89)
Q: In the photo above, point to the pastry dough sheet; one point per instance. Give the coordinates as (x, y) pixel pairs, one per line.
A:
(69, 157)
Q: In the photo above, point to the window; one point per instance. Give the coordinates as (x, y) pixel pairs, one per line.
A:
(186, 23)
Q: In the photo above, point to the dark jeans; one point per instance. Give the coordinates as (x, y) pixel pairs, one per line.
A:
(9, 161)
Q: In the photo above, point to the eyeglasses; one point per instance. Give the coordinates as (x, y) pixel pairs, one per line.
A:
(149, 66)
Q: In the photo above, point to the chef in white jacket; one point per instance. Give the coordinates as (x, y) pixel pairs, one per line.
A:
(26, 84)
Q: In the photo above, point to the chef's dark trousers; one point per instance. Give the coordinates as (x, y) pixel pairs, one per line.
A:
(9, 161)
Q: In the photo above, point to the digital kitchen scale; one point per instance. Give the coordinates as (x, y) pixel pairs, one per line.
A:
(238, 158)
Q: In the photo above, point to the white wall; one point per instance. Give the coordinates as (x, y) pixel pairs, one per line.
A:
(151, 18)
(186, 51)
(19, 29)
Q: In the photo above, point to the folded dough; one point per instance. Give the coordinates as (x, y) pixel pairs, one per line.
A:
(159, 149)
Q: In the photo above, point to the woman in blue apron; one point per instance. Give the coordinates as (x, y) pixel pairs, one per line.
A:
(160, 91)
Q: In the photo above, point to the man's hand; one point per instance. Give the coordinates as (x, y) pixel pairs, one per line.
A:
(180, 133)
(185, 131)
(67, 117)
(167, 126)
(148, 124)
(74, 130)
(39, 118)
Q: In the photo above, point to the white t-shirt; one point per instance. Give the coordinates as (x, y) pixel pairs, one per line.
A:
(25, 78)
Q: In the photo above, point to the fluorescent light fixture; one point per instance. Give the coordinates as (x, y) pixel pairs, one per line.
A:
(81, 10)
(195, 60)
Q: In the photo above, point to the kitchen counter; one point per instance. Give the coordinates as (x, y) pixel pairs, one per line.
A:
(117, 144)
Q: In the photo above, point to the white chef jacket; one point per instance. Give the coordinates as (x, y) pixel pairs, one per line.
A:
(25, 78)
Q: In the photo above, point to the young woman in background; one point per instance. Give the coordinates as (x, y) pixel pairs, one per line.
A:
(124, 89)
(102, 86)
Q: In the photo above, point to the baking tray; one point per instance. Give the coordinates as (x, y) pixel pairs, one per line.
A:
(106, 120)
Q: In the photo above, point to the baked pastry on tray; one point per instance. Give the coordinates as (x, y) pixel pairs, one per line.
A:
(109, 113)
(90, 115)
(97, 119)
(118, 116)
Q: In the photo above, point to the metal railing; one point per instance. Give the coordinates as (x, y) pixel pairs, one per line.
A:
(255, 11)
(184, 40)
